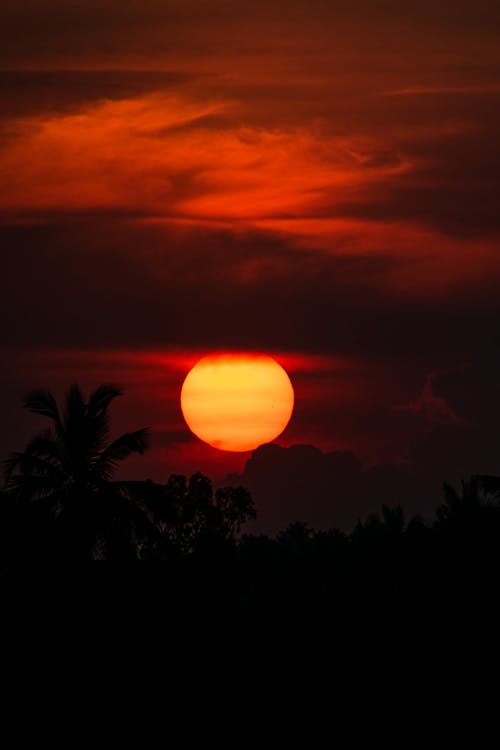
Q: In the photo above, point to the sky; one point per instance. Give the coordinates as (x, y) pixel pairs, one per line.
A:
(318, 181)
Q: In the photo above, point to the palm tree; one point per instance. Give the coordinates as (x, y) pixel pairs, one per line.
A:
(473, 512)
(389, 524)
(489, 484)
(66, 471)
(460, 504)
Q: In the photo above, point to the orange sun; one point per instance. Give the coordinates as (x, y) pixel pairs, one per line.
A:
(236, 402)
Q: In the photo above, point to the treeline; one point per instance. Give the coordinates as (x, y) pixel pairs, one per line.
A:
(394, 595)
(120, 521)
(176, 557)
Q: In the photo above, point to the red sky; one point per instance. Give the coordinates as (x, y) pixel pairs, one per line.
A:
(314, 180)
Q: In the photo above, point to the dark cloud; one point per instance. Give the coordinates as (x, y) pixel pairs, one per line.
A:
(335, 488)
(105, 284)
(25, 92)
(324, 490)
(455, 182)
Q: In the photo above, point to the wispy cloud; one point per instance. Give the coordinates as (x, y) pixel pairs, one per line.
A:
(480, 88)
(171, 156)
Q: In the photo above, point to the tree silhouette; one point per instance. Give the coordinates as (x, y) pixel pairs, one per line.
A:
(189, 512)
(387, 526)
(67, 471)
(478, 497)
(489, 484)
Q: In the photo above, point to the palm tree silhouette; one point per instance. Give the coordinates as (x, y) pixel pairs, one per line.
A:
(489, 484)
(68, 469)
(472, 513)
(458, 504)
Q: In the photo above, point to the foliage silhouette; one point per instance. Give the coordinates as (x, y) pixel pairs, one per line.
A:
(66, 472)
(188, 513)
(288, 614)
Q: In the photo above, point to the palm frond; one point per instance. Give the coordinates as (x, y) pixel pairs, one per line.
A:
(30, 488)
(489, 484)
(11, 464)
(43, 444)
(26, 464)
(79, 433)
(394, 518)
(118, 450)
(74, 412)
(101, 398)
(451, 496)
(98, 430)
(98, 417)
(40, 401)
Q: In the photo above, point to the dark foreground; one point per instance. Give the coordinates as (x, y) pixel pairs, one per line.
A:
(281, 623)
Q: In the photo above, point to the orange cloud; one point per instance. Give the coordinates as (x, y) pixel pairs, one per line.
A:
(183, 159)
(167, 156)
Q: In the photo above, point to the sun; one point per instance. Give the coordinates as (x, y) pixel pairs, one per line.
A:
(237, 401)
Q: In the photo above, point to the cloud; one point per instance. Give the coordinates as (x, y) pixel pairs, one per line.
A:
(186, 161)
(433, 408)
(121, 284)
(166, 156)
(334, 488)
(26, 93)
(213, 31)
(325, 490)
(480, 89)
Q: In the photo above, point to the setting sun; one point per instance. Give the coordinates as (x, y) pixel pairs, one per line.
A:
(236, 402)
